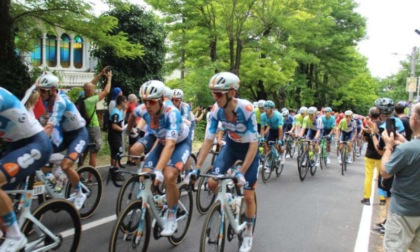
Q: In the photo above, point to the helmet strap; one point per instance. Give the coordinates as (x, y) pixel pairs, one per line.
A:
(227, 101)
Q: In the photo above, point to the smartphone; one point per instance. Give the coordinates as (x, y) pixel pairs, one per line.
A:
(107, 69)
(390, 126)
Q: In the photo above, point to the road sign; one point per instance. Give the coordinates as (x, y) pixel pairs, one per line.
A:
(411, 84)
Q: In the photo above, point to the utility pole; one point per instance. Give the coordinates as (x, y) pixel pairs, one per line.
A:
(413, 71)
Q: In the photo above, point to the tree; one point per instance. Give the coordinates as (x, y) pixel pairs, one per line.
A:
(142, 28)
(26, 19)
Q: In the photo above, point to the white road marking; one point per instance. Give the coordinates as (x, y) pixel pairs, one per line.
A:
(91, 225)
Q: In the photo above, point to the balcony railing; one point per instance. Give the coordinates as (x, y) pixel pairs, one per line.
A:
(75, 79)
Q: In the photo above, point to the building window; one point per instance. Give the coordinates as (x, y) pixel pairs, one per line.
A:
(65, 51)
(36, 54)
(51, 50)
(78, 52)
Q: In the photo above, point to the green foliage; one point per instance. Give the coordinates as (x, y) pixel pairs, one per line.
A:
(74, 93)
(142, 29)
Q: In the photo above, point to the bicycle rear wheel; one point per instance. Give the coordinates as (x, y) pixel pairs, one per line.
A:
(204, 197)
(91, 182)
(303, 165)
(61, 218)
(213, 234)
(269, 164)
(343, 160)
(183, 215)
(131, 232)
(127, 194)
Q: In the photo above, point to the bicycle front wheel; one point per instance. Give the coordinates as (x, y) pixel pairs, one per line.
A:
(313, 164)
(268, 167)
(303, 165)
(204, 197)
(214, 230)
(183, 215)
(131, 232)
(61, 218)
(343, 161)
(91, 183)
(127, 194)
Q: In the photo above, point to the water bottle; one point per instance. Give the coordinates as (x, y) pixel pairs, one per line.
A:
(60, 178)
(51, 178)
(237, 203)
(157, 199)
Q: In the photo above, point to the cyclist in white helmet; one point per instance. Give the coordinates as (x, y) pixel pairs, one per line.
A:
(258, 112)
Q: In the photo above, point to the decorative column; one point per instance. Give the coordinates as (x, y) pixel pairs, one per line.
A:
(43, 52)
(71, 51)
(58, 52)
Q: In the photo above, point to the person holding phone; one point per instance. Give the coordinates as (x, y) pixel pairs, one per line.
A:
(401, 160)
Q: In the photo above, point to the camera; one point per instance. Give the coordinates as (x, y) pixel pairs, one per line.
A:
(107, 69)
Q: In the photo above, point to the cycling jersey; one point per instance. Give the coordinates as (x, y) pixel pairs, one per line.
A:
(329, 123)
(274, 122)
(15, 121)
(115, 136)
(243, 127)
(347, 127)
(298, 119)
(309, 124)
(288, 123)
(258, 115)
(169, 126)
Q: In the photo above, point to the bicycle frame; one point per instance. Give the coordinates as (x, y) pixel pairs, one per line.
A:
(24, 207)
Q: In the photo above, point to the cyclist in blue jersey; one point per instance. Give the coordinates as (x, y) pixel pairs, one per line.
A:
(272, 128)
(359, 124)
(27, 150)
(167, 159)
(287, 126)
(240, 124)
(328, 128)
(67, 130)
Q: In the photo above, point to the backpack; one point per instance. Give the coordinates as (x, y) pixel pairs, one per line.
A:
(81, 106)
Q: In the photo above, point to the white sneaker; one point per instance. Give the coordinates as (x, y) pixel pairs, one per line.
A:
(339, 160)
(169, 228)
(283, 158)
(348, 161)
(267, 170)
(328, 160)
(79, 200)
(12, 245)
(246, 244)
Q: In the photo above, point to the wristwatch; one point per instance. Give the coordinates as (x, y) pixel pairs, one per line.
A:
(371, 135)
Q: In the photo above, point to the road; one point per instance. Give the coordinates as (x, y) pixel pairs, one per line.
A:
(320, 214)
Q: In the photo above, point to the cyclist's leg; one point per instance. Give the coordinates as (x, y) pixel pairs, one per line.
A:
(27, 156)
(222, 163)
(143, 145)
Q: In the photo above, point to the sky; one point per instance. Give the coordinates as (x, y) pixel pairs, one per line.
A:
(390, 30)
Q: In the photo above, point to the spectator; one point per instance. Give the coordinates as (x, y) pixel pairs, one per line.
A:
(115, 129)
(402, 161)
(115, 93)
(95, 136)
(200, 112)
(399, 112)
(372, 156)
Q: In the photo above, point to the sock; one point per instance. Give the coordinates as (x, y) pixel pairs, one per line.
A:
(172, 213)
(249, 226)
(78, 189)
(11, 226)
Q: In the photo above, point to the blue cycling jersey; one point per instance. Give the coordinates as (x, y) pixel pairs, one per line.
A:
(329, 123)
(274, 122)
(242, 129)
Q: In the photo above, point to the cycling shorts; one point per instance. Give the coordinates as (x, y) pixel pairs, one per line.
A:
(273, 135)
(311, 134)
(346, 136)
(147, 141)
(75, 142)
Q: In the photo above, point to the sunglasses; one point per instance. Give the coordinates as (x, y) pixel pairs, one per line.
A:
(348, 116)
(176, 100)
(151, 102)
(219, 94)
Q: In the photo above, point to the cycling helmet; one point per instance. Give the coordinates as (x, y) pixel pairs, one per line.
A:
(285, 112)
(386, 105)
(348, 113)
(303, 110)
(152, 89)
(327, 109)
(261, 103)
(224, 81)
(168, 92)
(356, 116)
(312, 110)
(47, 80)
(269, 104)
(178, 94)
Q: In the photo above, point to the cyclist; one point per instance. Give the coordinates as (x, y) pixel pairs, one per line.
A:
(272, 127)
(167, 158)
(298, 121)
(328, 128)
(359, 124)
(258, 112)
(287, 125)
(239, 121)
(27, 149)
(347, 128)
(67, 130)
(313, 125)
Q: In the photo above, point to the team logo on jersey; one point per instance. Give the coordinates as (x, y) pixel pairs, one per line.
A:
(249, 107)
(11, 168)
(22, 118)
(29, 158)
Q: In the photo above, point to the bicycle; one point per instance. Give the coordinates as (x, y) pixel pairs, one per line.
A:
(323, 154)
(272, 161)
(214, 227)
(44, 227)
(90, 181)
(133, 228)
(307, 161)
(344, 154)
(290, 144)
